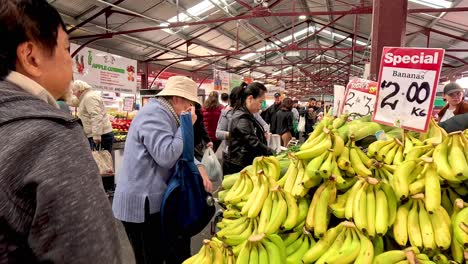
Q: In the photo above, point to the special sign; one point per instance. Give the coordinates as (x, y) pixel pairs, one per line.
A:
(407, 86)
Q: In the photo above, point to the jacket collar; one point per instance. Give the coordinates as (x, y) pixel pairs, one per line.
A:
(31, 87)
(18, 104)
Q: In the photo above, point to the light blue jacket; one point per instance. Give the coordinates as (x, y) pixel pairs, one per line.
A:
(154, 144)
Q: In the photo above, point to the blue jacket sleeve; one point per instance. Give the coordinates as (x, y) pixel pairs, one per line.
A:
(156, 133)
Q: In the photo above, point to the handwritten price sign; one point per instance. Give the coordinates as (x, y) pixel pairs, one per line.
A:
(360, 97)
(407, 86)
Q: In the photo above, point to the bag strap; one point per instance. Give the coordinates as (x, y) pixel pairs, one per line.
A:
(187, 136)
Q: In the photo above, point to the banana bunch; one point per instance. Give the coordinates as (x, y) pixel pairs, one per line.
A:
(280, 210)
(322, 142)
(293, 179)
(318, 215)
(405, 174)
(297, 243)
(237, 231)
(459, 248)
(423, 230)
(409, 255)
(340, 121)
(451, 158)
(257, 197)
(212, 251)
(341, 244)
(372, 205)
(229, 180)
(382, 171)
(434, 135)
(269, 165)
(387, 151)
(240, 191)
(354, 161)
(263, 248)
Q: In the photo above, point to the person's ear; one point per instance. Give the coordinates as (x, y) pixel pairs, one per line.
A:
(29, 59)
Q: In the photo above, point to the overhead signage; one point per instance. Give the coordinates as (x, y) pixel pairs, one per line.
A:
(360, 97)
(407, 86)
(105, 71)
(221, 80)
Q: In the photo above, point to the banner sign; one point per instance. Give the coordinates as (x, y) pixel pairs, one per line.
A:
(235, 80)
(338, 98)
(407, 86)
(221, 80)
(105, 71)
(359, 99)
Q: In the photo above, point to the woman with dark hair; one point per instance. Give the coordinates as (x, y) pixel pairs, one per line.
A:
(283, 122)
(200, 136)
(211, 112)
(247, 136)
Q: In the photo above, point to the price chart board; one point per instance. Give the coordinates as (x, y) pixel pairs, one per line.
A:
(407, 86)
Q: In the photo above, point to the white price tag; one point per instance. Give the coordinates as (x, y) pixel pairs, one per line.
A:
(128, 104)
(360, 98)
(338, 99)
(407, 86)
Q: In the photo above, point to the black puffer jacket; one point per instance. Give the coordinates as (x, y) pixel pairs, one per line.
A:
(247, 139)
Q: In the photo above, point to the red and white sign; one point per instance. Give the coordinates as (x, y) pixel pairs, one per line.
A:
(407, 87)
(360, 97)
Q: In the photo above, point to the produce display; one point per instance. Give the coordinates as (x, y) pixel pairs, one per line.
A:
(345, 197)
(121, 122)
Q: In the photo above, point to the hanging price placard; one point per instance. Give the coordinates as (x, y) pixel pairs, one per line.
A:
(407, 86)
(359, 98)
(128, 104)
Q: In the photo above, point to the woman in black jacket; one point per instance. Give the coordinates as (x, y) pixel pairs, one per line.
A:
(247, 137)
(283, 122)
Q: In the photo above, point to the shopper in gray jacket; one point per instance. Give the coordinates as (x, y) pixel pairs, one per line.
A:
(53, 208)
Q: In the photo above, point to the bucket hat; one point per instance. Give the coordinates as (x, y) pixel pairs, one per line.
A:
(181, 86)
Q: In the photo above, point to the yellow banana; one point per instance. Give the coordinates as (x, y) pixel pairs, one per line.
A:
(366, 251)
(260, 197)
(315, 150)
(381, 153)
(319, 248)
(289, 238)
(440, 156)
(254, 254)
(291, 175)
(244, 254)
(311, 212)
(296, 256)
(432, 189)
(312, 141)
(360, 209)
(303, 209)
(398, 156)
(338, 145)
(321, 213)
(408, 145)
(352, 196)
(390, 156)
(460, 227)
(391, 201)
(348, 253)
(298, 187)
(262, 254)
(392, 256)
(358, 165)
(425, 225)
(417, 152)
(343, 159)
(400, 179)
(326, 167)
(400, 227)
(276, 239)
(417, 186)
(277, 216)
(381, 212)
(376, 146)
(335, 246)
(274, 167)
(293, 212)
(371, 210)
(338, 208)
(414, 229)
(441, 228)
(457, 159)
(274, 255)
(266, 213)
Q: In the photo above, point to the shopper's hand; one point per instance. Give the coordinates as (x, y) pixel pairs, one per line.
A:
(97, 141)
(194, 115)
(206, 181)
(209, 145)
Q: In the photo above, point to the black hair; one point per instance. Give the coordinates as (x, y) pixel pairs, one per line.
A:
(234, 93)
(255, 89)
(287, 104)
(224, 97)
(312, 99)
(26, 20)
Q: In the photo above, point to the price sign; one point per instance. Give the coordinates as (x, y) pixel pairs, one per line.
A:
(407, 86)
(128, 104)
(338, 99)
(360, 97)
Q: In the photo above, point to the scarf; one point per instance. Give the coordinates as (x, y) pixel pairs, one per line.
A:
(165, 103)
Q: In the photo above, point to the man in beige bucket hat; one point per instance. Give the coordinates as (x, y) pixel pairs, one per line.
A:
(154, 144)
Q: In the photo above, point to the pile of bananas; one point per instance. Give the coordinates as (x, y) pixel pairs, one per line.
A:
(371, 204)
(405, 191)
(261, 248)
(341, 244)
(212, 251)
(423, 230)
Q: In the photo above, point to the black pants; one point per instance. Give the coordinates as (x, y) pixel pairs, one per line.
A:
(149, 245)
(230, 168)
(106, 142)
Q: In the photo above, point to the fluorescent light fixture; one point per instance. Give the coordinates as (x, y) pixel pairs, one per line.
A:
(433, 3)
(284, 70)
(302, 17)
(293, 53)
(247, 56)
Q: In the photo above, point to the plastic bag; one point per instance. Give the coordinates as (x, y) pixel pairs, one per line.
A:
(301, 125)
(212, 166)
(220, 151)
(104, 162)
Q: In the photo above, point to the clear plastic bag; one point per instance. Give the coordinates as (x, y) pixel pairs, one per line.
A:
(212, 166)
(104, 162)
